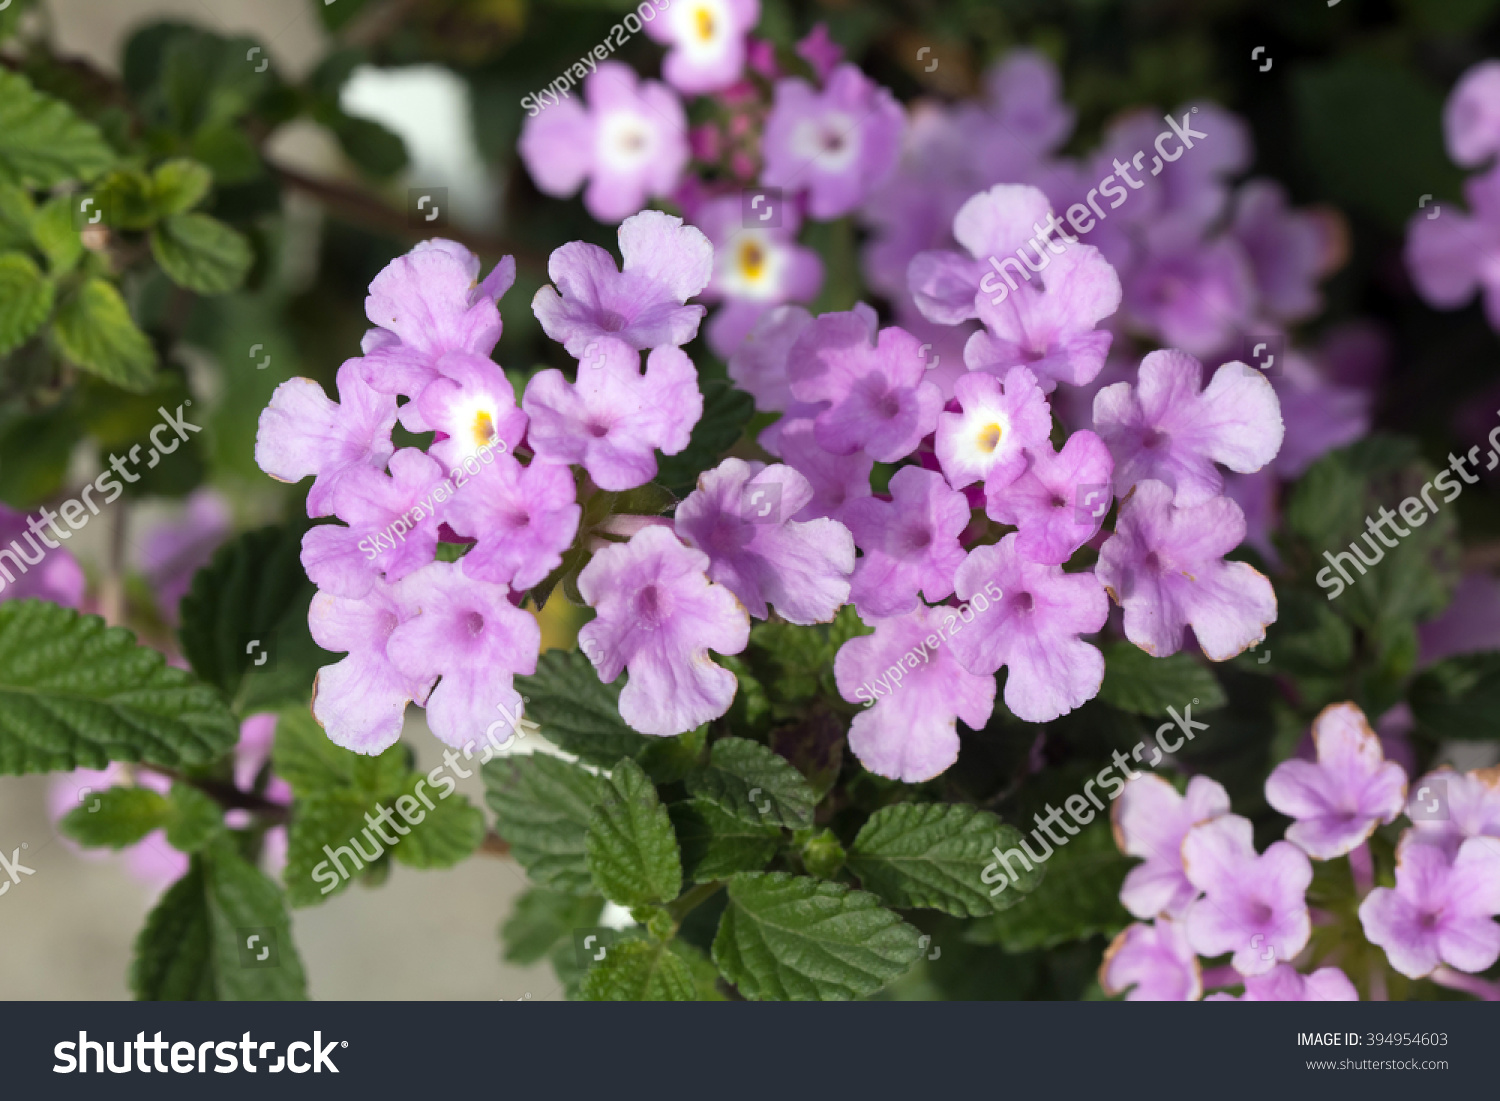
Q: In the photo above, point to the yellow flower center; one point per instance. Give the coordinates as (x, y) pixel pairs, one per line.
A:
(484, 429)
(752, 259)
(989, 437)
(705, 24)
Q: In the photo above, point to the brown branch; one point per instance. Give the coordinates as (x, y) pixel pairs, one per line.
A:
(494, 845)
(227, 795)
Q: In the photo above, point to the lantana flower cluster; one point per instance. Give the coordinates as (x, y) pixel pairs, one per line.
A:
(1202, 890)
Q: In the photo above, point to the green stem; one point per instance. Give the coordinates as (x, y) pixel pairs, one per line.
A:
(692, 900)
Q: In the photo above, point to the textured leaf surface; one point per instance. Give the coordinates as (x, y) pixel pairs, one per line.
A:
(1135, 681)
(932, 855)
(542, 807)
(716, 844)
(93, 329)
(201, 253)
(25, 300)
(541, 918)
(77, 694)
(789, 937)
(577, 713)
(630, 848)
(639, 971)
(42, 142)
(747, 780)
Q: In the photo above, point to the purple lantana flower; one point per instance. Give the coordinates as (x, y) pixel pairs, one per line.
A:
(1338, 802)
(1154, 962)
(1059, 500)
(393, 527)
(1190, 293)
(836, 481)
(469, 634)
(1169, 428)
(1253, 906)
(643, 305)
(425, 305)
(1150, 820)
(58, 577)
(1046, 323)
(1284, 983)
(758, 365)
(879, 399)
(837, 143)
(1471, 117)
(909, 543)
(1455, 254)
(360, 702)
(755, 269)
(1447, 808)
(1470, 624)
(1289, 250)
(630, 143)
(302, 433)
(614, 419)
(987, 440)
(740, 516)
(659, 615)
(1440, 911)
(1164, 566)
(1035, 615)
(473, 406)
(523, 518)
(708, 42)
(919, 692)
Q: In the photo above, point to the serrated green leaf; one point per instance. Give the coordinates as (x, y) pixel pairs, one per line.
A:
(726, 411)
(933, 855)
(1135, 681)
(1079, 896)
(639, 971)
(126, 199)
(542, 807)
(194, 818)
(194, 944)
(747, 780)
(335, 819)
(794, 938)
(249, 605)
(630, 848)
(42, 142)
(442, 835)
(201, 253)
(53, 233)
(116, 817)
(576, 712)
(179, 185)
(716, 845)
(1459, 698)
(94, 330)
(16, 214)
(25, 300)
(541, 918)
(77, 694)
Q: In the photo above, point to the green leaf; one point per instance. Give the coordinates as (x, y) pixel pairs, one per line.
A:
(789, 937)
(201, 253)
(305, 758)
(42, 142)
(541, 918)
(25, 300)
(576, 712)
(35, 450)
(639, 971)
(179, 185)
(1135, 681)
(630, 848)
(1078, 897)
(94, 329)
(1459, 698)
(16, 214)
(77, 694)
(52, 232)
(126, 199)
(933, 855)
(335, 819)
(726, 411)
(716, 845)
(376, 150)
(747, 780)
(115, 817)
(542, 807)
(197, 945)
(442, 835)
(195, 818)
(249, 605)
